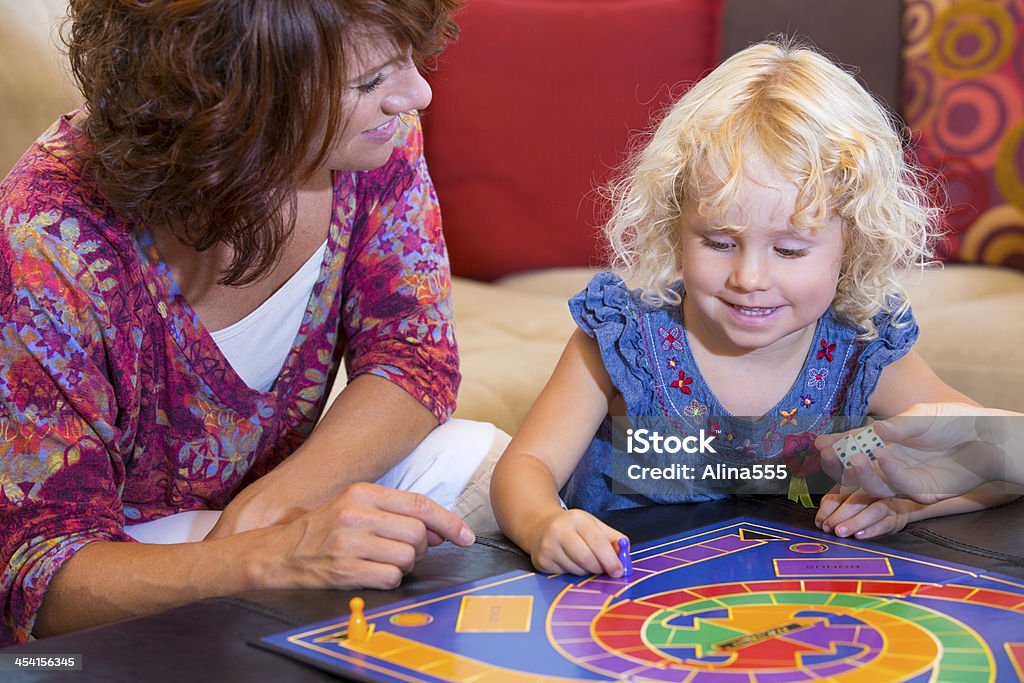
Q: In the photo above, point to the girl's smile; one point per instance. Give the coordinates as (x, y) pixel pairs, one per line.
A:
(753, 315)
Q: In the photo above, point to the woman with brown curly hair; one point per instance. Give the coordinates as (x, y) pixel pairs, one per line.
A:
(241, 205)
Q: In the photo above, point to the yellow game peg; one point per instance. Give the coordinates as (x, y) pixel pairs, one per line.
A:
(358, 631)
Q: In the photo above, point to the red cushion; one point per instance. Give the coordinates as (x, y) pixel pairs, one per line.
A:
(534, 106)
(964, 100)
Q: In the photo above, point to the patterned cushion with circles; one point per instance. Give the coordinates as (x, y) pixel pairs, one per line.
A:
(963, 98)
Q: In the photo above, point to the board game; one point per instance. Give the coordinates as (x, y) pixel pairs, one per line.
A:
(741, 601)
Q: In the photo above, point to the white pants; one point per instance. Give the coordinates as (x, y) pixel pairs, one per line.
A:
(452, 465)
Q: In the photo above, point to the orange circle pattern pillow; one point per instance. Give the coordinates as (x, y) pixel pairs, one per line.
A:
(963, 92)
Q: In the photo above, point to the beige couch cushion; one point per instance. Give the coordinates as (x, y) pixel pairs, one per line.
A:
(511, 334)
(509, 342)
(34, 86)
(972, 331)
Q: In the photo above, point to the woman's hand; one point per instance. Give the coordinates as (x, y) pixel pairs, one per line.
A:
(862, 515)
(368, 536)
(932, 452)
(575, 542)
(250, 510)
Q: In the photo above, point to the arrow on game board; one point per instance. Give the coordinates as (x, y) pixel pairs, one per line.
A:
(771, 653)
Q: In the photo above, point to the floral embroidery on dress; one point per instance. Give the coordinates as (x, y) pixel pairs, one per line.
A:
(672, 363)
(747, 447)
(771, 437)
(826, 351)
(695, 410)
(806, 401)
(816, 377)
(788, 417)
(683, 383)
(670, 339)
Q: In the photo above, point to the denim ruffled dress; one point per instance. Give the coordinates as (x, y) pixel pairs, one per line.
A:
(647, 356)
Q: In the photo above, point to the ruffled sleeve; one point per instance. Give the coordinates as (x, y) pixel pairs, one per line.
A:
(896, 336)
(607, 311)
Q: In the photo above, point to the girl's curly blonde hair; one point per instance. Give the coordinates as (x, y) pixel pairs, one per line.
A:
(821, 130)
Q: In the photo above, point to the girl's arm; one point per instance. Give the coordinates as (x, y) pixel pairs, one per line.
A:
(542, 456)
(908, 381)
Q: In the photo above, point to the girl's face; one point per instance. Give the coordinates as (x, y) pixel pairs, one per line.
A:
(382, 84)
(760, 287)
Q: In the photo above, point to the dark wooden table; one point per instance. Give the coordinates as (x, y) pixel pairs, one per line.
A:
(208, 640)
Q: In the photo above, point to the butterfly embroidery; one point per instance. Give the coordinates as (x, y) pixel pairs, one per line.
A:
(788, 417)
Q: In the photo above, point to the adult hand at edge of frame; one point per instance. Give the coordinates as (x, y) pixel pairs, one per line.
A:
(932, 452)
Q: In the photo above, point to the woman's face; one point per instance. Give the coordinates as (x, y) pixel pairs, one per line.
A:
(383, 83)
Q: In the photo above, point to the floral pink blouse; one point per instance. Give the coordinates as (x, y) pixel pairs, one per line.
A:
(117, 407)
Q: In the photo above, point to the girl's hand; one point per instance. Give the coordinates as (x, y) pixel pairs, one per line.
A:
(575, 542)
(861, 515)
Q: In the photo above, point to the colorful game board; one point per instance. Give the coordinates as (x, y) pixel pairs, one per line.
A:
(740, 602)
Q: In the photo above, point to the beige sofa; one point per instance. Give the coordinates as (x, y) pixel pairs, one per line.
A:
(511, 332)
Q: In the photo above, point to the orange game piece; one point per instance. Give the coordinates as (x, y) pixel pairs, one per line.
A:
(357, 628)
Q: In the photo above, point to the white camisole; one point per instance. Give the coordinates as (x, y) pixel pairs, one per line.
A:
(258, 344)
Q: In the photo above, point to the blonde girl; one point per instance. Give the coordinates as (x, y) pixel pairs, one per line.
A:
(765, 226)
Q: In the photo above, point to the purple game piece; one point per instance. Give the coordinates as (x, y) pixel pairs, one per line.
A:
(624, 558)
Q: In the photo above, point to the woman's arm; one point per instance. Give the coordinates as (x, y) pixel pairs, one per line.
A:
(368, 537)
(327, 533)
(542, 456)
(400, 348)
(934, 451)
(368, 429)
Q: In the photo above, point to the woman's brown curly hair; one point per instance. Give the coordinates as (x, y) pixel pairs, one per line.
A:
(205, 116)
